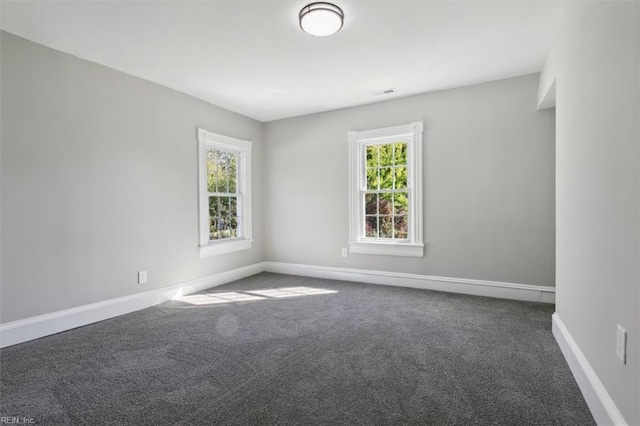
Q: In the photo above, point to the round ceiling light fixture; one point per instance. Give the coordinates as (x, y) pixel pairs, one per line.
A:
(321, 19)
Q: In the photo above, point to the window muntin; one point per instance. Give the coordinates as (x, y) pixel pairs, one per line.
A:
(225, 193)
(385, 191)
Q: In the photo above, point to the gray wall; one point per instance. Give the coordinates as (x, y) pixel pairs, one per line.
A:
(598, 190)
(488, 184)
(99, 180)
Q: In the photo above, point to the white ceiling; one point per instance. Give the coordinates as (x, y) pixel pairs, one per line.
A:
(251, 56)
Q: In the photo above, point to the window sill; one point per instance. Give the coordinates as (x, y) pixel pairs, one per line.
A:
(222, 247)
(387, 249)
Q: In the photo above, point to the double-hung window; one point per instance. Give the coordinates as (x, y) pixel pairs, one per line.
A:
(386, 191)
(225, 193)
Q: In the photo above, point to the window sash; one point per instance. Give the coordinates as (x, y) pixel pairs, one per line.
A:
(229, 216)
(393, 216)
(219, 152)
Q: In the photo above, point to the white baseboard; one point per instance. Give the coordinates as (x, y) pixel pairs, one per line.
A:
(27, 329)
(602, 407)
(501, 290)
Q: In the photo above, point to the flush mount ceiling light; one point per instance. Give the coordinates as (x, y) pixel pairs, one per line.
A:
(321, 19)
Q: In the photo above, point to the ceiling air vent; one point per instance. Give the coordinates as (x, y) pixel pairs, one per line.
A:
(384, 92)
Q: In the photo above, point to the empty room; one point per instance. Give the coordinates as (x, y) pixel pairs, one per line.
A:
(346, 212)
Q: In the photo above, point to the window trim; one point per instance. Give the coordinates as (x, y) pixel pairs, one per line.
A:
(413, 246)
(243, 148)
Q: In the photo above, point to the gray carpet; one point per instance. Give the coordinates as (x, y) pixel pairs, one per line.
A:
(365, 354)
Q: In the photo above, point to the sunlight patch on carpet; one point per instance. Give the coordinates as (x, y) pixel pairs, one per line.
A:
(234, 296)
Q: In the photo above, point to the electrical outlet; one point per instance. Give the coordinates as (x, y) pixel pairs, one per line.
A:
(344, 252)
(621, 344)
(142, 277)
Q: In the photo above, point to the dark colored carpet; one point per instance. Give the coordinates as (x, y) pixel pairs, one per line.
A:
(364, 355)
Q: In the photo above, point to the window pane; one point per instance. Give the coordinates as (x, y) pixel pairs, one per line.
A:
(401, 177)
(372, 179)
(213, 226)
(225, 159)
(385, 205)
(212, 156)
(233, 172)
(386, 178)
(218, 228)
(223, 206)
(214, 215)
(386, 227)
(234, 227)
(214, 206)
(233, 206)
(400, 203)
(372, 156)
(224, 172)
(371, 203)
(386, 155)
(400, 227)
(371, 226)
(400, 153)
(226, 228)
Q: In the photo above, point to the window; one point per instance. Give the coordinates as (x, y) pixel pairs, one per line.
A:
(225, 193)
(385, 197)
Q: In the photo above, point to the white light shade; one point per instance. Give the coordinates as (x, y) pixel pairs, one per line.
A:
(321, 19)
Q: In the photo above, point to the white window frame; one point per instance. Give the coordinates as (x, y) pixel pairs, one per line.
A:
(244, 239)
(413, 245)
